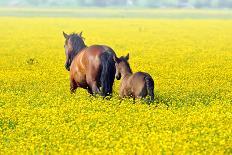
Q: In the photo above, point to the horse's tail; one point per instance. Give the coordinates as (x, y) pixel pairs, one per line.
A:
(150, 86)
(107, 73)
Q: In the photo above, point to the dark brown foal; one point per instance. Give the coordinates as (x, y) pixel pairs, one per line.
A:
(137, 85)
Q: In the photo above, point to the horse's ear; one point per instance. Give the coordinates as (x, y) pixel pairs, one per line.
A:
(65, 35)
(80, 34)
(127, 57)
(115, 59)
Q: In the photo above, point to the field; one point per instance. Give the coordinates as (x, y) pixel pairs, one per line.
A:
(190, 60)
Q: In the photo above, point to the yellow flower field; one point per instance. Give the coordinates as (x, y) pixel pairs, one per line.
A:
(189, 59)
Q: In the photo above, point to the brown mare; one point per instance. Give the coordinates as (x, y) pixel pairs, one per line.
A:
(91, 68)
(137, 85)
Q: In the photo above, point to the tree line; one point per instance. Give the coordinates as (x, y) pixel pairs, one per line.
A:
(122, 3)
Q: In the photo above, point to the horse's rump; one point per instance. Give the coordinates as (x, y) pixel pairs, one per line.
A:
(96, 62)
(143, 85)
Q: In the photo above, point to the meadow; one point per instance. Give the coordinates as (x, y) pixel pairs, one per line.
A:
(190, 60)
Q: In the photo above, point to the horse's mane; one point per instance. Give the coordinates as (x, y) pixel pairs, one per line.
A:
(77, 42)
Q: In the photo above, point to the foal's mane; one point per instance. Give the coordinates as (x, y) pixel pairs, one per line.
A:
(127, 65)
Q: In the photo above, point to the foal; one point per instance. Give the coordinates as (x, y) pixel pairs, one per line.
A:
(137, 85)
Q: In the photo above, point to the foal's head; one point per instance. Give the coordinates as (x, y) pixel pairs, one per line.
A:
(122, 66)
(74, 43)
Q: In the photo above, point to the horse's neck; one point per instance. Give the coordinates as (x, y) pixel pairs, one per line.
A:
(81, 48)
(126, 72)
(126, 75)
(124, 82)
(79, 51)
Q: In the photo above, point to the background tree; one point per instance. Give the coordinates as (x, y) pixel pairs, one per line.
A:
(121, 3)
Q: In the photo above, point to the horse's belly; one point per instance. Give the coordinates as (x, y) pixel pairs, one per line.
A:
(138, 86)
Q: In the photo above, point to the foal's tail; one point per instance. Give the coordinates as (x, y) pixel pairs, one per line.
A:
(107, 73)
(150, 86)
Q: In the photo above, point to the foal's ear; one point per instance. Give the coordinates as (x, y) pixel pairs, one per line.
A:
(65, 35)
(115, 59)
(127, 57)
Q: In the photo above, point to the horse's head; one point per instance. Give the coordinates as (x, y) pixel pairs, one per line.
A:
(73, 44)
(122, 66)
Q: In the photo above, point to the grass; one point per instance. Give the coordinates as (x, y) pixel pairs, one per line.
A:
(117, 13)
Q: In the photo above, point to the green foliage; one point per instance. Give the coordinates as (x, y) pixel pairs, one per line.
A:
(128, 3)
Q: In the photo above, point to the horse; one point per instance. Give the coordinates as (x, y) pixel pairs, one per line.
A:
(91, 68)
(137, 85)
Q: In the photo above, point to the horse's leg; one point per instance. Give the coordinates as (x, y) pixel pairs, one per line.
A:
(134, 99)
(91, 78)
(93, 87)
(89, 90)
(121, 93)
(73, 85)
